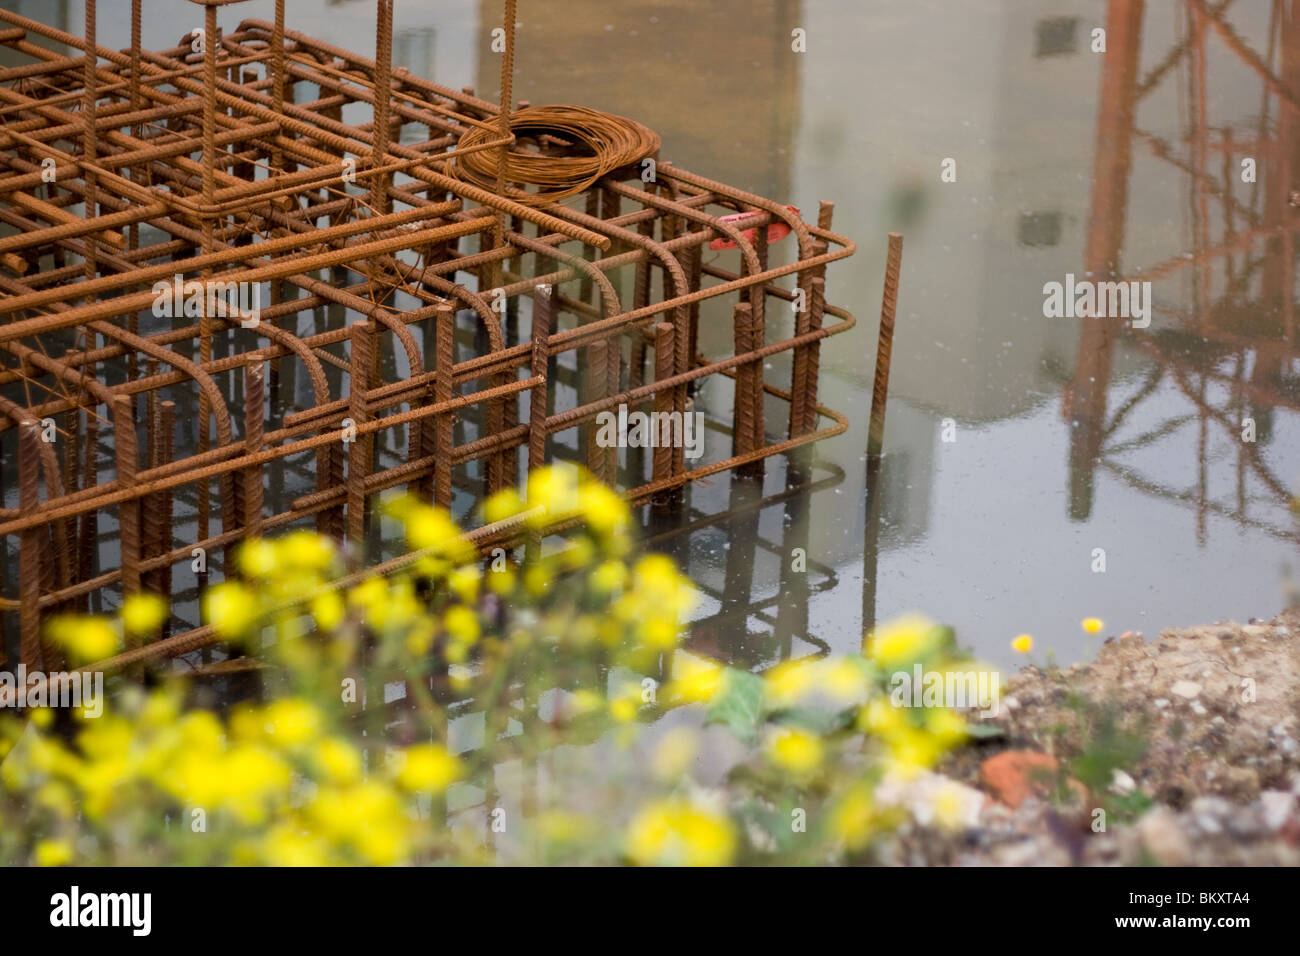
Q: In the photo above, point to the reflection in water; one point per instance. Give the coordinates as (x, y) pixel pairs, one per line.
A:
(985, 531)
(1126, 164)
(1222, 366)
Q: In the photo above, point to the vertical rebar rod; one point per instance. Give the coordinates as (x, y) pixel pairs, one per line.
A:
(254, 413)
(125, 446)
(884, 346)
(445, 357)
(359, 412)
(29, 554)
(383, 97)
(665, 364)
(166, 450)
(743, 436)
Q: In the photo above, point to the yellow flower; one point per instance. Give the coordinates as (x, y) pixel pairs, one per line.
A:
(608, 577)
(287, 845)
(501, 580)
(582, 702)
(429, 527)
(1092, 624)
(462, 624)
(250, 776)
(606, 512)
(143, 613)
(230, 608)
(502, 505)
(796, 750)
(307, 550)
(661, 586)
(881, 717)
(625, 707)
(853, 819)
(292, 721)
(85, 639)
(844, 680)
(53, 853)
(338, 760)
(464, 583)
(676, 833)
(553, 488)
(694, 680)
(914, 749)
(948, 727)
(328, 609)
(903, 641)
(789, 682)
(257, 558)
(427, 768)
(1024, 643)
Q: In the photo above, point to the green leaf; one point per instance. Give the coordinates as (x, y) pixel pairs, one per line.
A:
(739, 704)
(983, 731)
(816, 719)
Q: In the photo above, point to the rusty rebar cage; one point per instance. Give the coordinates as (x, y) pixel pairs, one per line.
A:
(388, 355)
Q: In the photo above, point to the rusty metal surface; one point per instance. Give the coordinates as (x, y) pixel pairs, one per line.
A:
(123, 169)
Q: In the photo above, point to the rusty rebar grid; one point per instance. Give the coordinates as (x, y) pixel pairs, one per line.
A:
(382, 357)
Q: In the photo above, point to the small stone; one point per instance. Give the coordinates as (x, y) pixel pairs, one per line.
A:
(1212, 808)
(1161, 703)
(1275, 808)
(1186, 688)
(1120, 782)
(1163, 838)
(1199, 709)
(1010, 703)
(1016, 774)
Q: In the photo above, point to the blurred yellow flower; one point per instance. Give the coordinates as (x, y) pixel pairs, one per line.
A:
(305, 550)
(502, 505)
(553, 488)
(605, 510)
(1024, 643)
(1092, 624)
(86, 639)
(338, 760)
(903, 641)
(230, 608)
(676, 833)
(694, 679)
(53, 853)
(853, 819)
(328, 609)
(796, 751)
(292, 721)
(143, 613)
(427, 768)
(257, 558)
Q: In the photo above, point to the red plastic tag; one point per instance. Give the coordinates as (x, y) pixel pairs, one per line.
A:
(776, 231)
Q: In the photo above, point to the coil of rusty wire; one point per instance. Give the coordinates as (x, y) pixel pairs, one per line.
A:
(560, 149)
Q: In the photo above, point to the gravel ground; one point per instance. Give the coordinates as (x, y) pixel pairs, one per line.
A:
(1189, 741)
